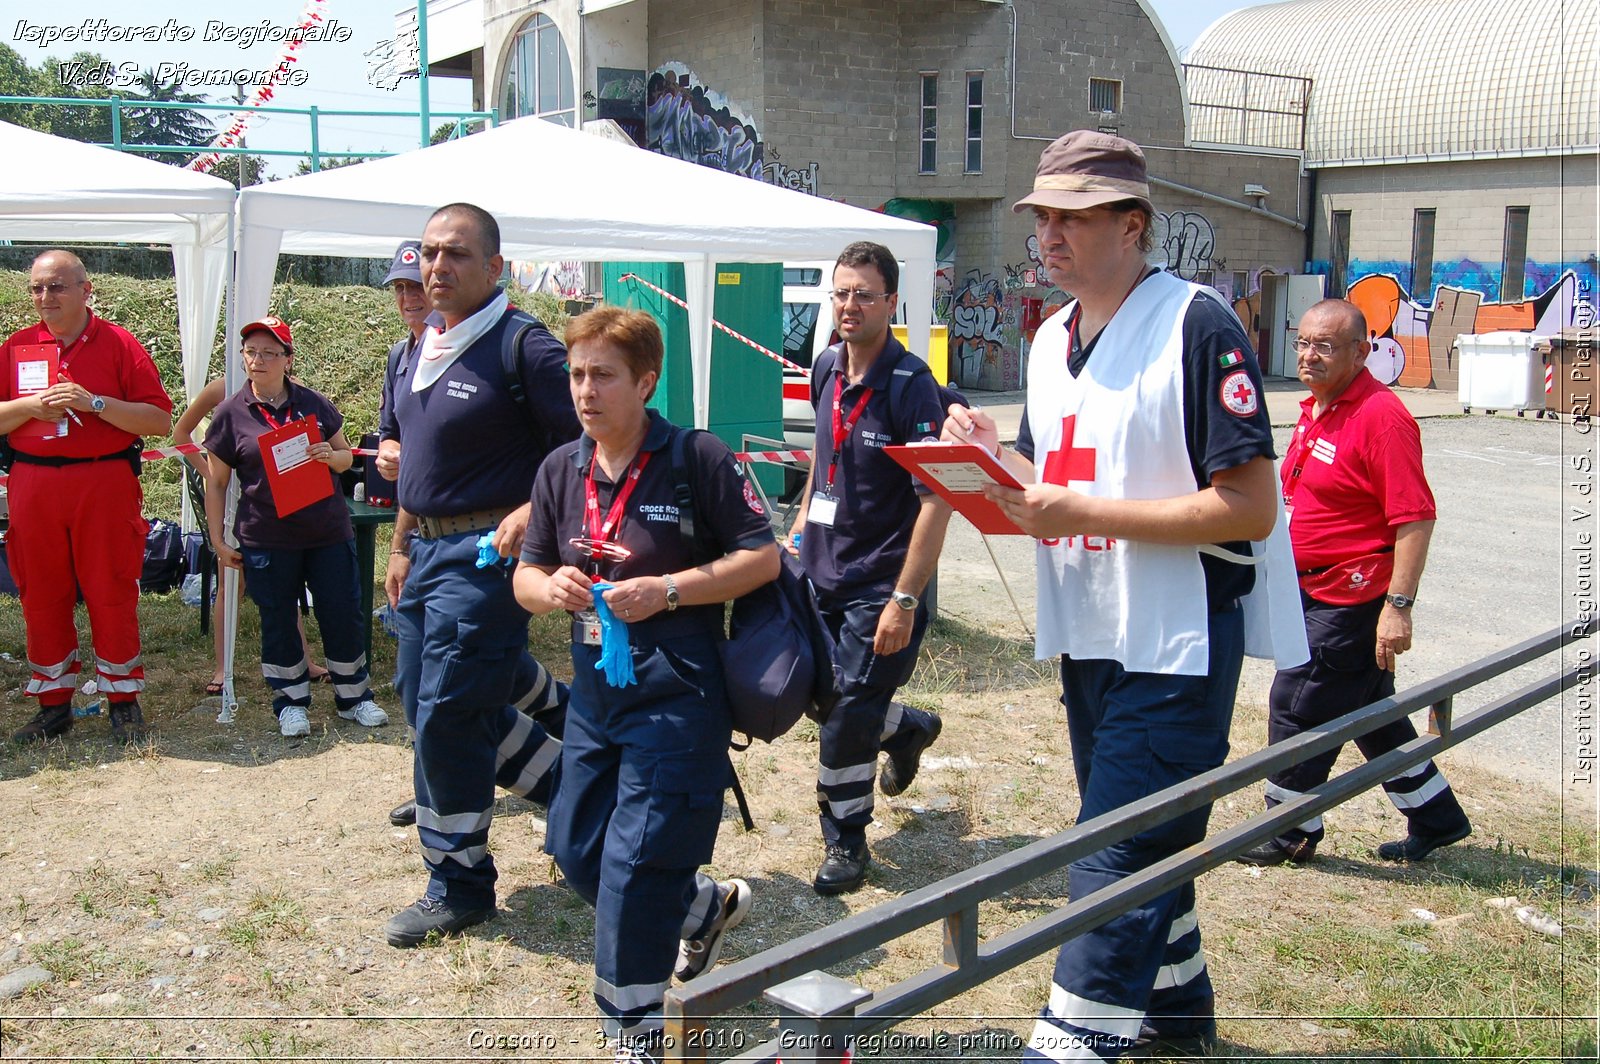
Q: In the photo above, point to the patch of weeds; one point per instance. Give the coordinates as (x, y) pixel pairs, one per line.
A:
(268, 914)
(69, 958)
(473, 965)
(270, 1044)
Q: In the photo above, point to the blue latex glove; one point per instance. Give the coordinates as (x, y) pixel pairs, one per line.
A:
(487, 555)
(616, 652)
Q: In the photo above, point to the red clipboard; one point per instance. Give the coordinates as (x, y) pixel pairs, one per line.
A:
(34, 367)
(958, 472)
(296, 479)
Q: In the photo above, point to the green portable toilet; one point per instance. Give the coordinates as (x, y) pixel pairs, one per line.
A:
(746, 386)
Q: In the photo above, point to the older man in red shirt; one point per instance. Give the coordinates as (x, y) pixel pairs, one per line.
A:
(1360, 518)
(76, 504)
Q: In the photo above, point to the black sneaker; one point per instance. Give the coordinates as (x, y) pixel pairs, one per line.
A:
(901, 767)
(1272, 852)
(48, 723)
(843, 869)
(411, 927)
(1151, 1043)
(1415, 847)
(404, 814)
(127, 722)
(695, 955)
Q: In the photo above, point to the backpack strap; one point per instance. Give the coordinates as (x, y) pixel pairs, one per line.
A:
(510, 346)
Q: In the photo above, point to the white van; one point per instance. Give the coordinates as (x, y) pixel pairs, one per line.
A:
(807, 332)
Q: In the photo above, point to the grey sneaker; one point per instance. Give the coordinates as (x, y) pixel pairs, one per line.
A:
(368, 714)
(293, 723)
(695, 955)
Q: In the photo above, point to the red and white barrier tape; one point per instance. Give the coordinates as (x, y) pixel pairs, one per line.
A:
(1549, 379)
(310, 18)
(778, 457)
(779, 359)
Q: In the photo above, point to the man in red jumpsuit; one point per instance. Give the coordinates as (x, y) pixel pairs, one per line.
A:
(76, 506)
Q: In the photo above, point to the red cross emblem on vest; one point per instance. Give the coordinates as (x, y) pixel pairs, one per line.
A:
(1069, 462)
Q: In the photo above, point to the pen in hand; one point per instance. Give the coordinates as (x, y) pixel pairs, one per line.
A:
(73, 414)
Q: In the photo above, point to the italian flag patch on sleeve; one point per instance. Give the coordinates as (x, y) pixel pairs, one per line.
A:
(1231, 359)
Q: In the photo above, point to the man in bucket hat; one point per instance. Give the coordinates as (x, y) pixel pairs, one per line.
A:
(1144, 443)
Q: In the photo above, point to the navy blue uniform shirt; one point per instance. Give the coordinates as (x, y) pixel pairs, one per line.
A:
(1217, 438)
(235, 426)
(728, 515)
(466, 444)
(878, 498)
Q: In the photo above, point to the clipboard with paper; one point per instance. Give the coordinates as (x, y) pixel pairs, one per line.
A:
(297, 480)
(958, 473)
(34, 367)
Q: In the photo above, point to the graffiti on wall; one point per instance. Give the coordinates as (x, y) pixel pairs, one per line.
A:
(774, 172)
(686, 120)
(985, 334)
(1412, 343)
(1184, 241)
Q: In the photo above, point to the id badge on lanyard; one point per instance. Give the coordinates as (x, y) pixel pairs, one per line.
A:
(824, 506)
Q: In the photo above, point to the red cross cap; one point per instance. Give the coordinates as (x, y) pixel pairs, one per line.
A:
(1239, 394)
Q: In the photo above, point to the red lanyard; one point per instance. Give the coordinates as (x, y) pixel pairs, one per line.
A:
(842, 426)
(266, 414)
(602, 531)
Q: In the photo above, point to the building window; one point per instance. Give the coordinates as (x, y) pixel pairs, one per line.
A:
(1513, 270)
(1339, 254)
(539, 75)
(930, 122)
(1422, 221)
(974, 122)
(1105, 96)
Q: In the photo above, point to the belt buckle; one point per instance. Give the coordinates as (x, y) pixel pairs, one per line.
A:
(588, 622)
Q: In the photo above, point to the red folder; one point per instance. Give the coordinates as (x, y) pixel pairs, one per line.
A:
(34, 367)
(958, 472)
(297, 480)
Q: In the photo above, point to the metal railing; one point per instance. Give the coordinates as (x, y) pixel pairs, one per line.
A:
(1249, 108)
(117, 104)
(819, 1013)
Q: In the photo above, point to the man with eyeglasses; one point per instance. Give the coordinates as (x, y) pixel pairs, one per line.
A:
(869, 539)
(76, 395)
(1147, 455)
(471, 447)
(1362, 516)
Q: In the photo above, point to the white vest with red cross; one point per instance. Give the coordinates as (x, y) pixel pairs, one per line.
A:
(1116, 431)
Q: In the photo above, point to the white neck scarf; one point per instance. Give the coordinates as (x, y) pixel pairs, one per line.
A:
(441, 349)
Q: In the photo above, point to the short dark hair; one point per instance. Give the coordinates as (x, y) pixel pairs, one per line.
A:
(880, 258)
(488, 228)
(633, 332)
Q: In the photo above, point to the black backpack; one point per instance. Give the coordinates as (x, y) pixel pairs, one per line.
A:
(778, 658)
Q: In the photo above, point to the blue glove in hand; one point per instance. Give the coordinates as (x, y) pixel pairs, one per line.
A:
(616, 652)
(487, 555)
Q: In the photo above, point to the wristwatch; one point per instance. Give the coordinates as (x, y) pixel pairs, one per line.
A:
(1401, 602)
(97, 403)
(672, 592)
(904, 601)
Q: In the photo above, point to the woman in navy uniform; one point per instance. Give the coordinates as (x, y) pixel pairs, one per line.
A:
(313, 547)
(645, 765)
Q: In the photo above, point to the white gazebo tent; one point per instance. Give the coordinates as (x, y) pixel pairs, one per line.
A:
(62, 190)
(561, 194)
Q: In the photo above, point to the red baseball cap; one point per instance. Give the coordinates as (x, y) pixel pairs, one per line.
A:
(274, 325)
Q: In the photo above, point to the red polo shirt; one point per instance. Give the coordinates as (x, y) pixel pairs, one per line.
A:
(106, 360)
(1352, 475)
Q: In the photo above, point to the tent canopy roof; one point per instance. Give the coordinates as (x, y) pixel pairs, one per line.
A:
(558, 193)
(59, 189)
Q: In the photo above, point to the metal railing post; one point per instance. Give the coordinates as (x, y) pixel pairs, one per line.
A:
(116, 122)
(815, 1012)
(1439, 717)
(961, 937)
(316, 141)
